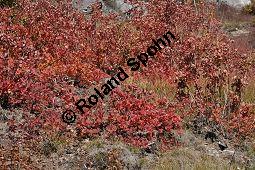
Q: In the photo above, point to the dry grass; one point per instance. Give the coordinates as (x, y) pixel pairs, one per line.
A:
(160, 87)
(185, 158)
(249, 92)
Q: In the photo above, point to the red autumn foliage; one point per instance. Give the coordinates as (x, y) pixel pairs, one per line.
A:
(42, 43)
(129, 117)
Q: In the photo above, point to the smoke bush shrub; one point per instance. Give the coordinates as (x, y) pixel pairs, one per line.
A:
(41, 44)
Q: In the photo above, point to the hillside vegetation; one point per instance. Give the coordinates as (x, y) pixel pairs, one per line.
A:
(51, 56)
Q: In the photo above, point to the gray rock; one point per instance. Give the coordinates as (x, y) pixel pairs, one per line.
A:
(108, 6)
(129, 160)
(238, 32)
(233, 3)
(3, 117)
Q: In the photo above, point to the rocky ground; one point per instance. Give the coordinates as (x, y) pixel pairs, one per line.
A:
(67, 151)
(238, 25)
